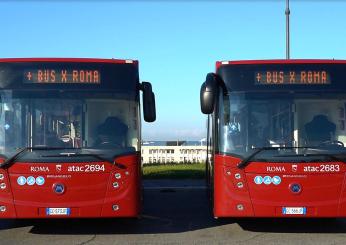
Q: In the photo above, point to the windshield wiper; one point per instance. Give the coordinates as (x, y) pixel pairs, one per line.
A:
(332, 157)
(15, 157)
(247, 160)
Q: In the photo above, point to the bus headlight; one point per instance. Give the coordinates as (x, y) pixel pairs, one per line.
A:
(115, 184)
(240, 184)
(2, 208)
(2, 186)
(240, 207)
(2, 176)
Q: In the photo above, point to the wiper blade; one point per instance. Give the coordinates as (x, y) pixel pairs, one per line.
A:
(332, 157)
(247, 160)
(15, 157)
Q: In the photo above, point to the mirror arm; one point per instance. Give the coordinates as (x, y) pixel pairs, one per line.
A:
(144, 86)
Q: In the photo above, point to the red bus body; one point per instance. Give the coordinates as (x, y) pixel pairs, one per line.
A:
(88, 195)
(87, 188)
(240, 191)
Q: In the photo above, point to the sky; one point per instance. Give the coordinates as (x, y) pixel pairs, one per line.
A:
(176, 42)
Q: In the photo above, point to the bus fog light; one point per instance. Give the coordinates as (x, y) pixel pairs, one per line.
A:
(1, 176)
(127, 173)
(2, 186)
(237, 176)
(117, 176)
(115, 207)
(115, 184)
(240, 184)
(240, 207)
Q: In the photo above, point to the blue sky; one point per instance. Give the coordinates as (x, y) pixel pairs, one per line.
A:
(176, 42)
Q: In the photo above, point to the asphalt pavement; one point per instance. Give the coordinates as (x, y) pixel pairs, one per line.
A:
(174, 212)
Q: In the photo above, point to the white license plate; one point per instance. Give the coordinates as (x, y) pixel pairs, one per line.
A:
(58, 211)
(294, 210)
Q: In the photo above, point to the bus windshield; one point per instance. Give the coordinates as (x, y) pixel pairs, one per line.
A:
(313, 121)
(80, 122)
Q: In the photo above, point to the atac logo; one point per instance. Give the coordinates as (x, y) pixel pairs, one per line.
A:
(58, 167)
(39, 169)
(294, 168)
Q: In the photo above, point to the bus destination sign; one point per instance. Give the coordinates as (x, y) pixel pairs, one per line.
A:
(302, 77)
(51, 76)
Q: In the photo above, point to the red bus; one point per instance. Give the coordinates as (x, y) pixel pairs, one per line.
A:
(276, 138)
(70, 137)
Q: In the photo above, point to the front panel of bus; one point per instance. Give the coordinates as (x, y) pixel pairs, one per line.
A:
(69, 140)
(280, 150)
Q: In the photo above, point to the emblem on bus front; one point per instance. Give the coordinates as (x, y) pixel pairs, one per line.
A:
(59, 188)
(295, 188)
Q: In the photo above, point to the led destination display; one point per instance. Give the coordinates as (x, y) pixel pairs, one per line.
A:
(292, 77)
(62, 76)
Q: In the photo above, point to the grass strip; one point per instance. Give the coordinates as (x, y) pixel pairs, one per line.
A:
(174, 171)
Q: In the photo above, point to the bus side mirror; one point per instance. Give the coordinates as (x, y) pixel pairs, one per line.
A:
(208, 93)
(149, 108)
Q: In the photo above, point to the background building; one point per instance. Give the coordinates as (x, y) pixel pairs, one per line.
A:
(161, 152)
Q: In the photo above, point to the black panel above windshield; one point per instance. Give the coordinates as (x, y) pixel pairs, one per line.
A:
(70, 76)
(283, 77)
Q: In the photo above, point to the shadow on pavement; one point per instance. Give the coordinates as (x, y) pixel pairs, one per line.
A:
(294, 225)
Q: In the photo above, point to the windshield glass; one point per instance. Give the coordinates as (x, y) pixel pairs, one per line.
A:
(81, 122)
(314, 121)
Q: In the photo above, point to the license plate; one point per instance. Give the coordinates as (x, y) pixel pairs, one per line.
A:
(294, 210)
(58, 211)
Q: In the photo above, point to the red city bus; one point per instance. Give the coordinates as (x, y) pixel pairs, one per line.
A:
(276, 138)
(70, 137)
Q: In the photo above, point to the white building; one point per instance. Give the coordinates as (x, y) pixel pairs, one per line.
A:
(176, 154)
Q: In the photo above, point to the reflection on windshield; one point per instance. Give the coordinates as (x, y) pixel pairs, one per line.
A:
(108, 124)
(249, 122)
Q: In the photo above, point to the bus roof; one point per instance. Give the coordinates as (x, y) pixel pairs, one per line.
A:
(280, 61)
(79, 60)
